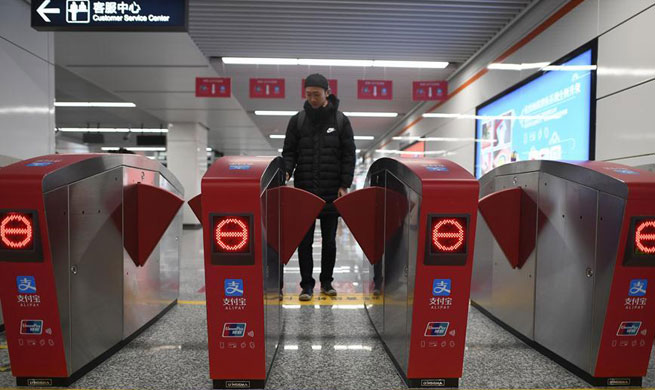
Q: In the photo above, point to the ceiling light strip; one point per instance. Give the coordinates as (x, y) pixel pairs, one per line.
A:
(108, 130)
(357, 137)
(96, 104)
(335, 62)
(352, 114)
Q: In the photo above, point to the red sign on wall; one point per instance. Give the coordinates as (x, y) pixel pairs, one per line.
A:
(331, 82)
(219, 87)
(375, 89)
(429, 90)
(418, 147)
(267, 88)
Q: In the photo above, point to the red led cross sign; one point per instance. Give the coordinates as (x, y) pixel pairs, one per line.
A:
(448, 235)
(645, 237)
(232, 234)
(16, 231)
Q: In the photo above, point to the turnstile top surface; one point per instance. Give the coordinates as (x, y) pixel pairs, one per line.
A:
(611, 178)
(57, 170)
(244, 168)
(416, 172)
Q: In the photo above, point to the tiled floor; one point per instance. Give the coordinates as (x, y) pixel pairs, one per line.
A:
(325, 346)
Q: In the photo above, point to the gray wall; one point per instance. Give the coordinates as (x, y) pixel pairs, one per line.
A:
(27, 116)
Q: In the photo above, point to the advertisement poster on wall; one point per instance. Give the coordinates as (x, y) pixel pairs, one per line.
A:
(547, 118)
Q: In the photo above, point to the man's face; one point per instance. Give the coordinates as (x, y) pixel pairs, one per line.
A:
(316, 96)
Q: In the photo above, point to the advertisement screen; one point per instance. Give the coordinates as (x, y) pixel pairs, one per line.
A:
(546, 118)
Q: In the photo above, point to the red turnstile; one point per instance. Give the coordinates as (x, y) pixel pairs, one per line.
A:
(252, 225)
(89, 257)
(415, 221)
(564, 257)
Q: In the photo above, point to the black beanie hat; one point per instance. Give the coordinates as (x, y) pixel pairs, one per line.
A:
(317, 80)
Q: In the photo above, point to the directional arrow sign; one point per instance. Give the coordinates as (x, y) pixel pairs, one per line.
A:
(43, 10)
(100, 15)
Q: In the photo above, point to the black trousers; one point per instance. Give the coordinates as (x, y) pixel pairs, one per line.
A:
(328, 252)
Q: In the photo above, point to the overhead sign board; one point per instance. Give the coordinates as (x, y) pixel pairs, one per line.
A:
(267, 88)
(114, 15)
(375, 89)
(429, 90)
(219, 87)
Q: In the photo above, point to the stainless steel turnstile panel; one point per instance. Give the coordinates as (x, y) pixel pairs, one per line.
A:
(57, 214)
(102, 296)
(375, 304)
(96, 253)
(610, 215)
(147, 290)
(272, 268)
(564, 289)
(580, 214)
(512, 290)
(396, 266)
(413, 219)
(481, 283)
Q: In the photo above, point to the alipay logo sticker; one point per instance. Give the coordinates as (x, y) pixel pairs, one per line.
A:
(26, 284)
(441, 287)
(638, 287)
(233, 287)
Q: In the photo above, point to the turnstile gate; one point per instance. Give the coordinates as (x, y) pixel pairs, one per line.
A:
(89, 257)
(415, 221)
(252, 225)
(563, 258)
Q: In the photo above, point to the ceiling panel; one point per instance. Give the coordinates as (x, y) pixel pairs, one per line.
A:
(448, 30)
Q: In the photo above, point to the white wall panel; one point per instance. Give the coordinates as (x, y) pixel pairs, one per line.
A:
(26, 103)
(15, 27)
(624, 123)
(613, 12)
(625, 54)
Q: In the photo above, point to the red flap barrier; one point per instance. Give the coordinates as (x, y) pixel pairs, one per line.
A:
(298, 210)
(148, 211)
(196, 206)
(362, 210)
(512, 218)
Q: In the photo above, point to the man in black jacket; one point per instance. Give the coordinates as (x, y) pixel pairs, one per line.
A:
(319, 151)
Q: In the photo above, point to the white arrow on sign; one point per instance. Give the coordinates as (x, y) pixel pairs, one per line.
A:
(42, 10)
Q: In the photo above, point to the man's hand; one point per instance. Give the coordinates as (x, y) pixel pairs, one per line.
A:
(288, 176)
(342, 192)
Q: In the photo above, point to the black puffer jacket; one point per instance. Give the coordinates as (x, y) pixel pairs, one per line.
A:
(320, 156)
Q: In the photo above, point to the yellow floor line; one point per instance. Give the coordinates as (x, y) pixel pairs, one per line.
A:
(188, 303)
(3, 346)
